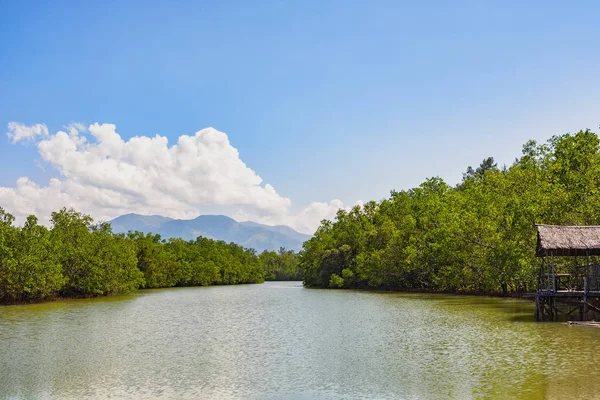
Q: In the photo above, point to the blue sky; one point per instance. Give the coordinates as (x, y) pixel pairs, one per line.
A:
(323, 99)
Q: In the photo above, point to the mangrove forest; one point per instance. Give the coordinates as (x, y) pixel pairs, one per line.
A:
(77, 257)
(477, 236)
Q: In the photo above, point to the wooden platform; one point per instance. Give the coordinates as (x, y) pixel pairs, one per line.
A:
(567, 293)
(585, 323)
(565, 304)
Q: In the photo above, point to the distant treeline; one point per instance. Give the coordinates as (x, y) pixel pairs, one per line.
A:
(77, 258)
(477, 236)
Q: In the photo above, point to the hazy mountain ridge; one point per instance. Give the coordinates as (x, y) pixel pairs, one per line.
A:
(219, 227)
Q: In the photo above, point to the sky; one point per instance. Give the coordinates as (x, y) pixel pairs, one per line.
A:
(279, 112)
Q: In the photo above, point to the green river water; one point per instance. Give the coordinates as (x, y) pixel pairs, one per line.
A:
(280, 341)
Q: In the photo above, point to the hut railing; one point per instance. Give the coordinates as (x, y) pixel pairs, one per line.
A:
(578, 279)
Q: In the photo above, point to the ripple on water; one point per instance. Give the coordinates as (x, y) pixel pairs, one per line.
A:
(280, 341)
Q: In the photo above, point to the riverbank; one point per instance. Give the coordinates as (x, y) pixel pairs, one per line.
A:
(509, 295)
(475, 236)
(112, 295)
(77, 258)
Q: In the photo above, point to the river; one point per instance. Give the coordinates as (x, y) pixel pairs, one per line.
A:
(280, 341)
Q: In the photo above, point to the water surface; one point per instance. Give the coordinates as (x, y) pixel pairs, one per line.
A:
(281, 341)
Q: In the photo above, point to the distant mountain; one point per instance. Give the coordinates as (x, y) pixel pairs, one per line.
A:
(219, 227)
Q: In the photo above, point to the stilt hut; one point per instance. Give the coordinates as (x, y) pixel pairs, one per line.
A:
(569, 275)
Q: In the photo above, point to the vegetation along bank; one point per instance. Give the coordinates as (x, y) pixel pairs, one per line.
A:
(475, 237)
(78, 258)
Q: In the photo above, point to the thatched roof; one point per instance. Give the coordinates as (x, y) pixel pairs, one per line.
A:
(568, 240)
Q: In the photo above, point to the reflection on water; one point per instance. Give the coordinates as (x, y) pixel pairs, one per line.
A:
(280, 341)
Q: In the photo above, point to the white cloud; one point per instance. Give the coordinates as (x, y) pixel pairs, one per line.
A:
(18, 132)
(75, 128)
(311, 216)
(106, 176)
(305, 221)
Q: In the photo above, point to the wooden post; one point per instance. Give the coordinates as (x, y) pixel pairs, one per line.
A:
(551, 274)
(585, 298)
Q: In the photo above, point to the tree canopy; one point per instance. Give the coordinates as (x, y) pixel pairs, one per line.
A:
(476, 236)
(79, 258)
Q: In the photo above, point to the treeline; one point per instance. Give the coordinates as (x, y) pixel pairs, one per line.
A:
(77, 258)
(283, 265)
(477, 236)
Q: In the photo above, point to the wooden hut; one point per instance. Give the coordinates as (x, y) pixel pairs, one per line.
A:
(569, 275)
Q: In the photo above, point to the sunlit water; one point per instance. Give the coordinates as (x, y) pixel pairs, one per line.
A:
(280, 341)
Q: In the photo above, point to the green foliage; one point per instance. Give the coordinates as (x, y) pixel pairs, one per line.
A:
(283, 265)
(336, 281)
(478, 236)
(347, 273)
(29, 269)
(158, 265)
(94, 261)
(77, 258)
(114, 263)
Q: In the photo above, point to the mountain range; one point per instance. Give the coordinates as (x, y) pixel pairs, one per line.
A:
(219, 227)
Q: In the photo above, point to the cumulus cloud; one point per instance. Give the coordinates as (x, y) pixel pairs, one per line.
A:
(311, 216)
(18, 132)
(306, 221)
(105, 176)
